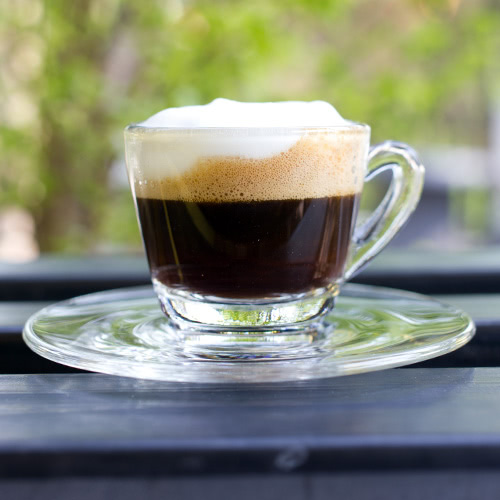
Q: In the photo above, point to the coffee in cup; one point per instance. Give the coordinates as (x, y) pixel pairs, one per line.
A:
(248, 210)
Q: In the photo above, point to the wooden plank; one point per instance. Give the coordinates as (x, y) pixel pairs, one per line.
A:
(13, 315)
(484, 309)
(378, 485)
(57, 267)
(56, 277)
(418, 419)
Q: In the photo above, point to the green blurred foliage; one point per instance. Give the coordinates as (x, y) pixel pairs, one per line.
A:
(73, 74)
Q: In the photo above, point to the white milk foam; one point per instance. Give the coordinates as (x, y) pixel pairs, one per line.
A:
(226, 113)
(162, 164)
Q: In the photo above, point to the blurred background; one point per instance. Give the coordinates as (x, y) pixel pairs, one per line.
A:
(74, 74)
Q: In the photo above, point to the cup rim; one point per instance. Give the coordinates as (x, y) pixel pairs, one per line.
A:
(247, 131)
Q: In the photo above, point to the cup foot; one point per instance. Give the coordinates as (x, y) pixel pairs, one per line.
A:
(212, 328)
(244, 314)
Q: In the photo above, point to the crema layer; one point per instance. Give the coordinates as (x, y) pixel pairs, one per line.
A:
(316, 165)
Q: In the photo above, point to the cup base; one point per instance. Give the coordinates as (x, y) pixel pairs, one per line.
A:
(270, 328)
(246, 346)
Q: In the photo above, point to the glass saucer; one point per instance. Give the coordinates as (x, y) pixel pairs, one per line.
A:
(123, 332)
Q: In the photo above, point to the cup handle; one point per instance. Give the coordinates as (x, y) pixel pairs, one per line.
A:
(400, 201)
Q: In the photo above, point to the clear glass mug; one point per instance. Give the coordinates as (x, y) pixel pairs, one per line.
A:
(250, 251)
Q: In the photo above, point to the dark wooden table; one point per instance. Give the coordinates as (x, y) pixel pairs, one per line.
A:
(427, 431)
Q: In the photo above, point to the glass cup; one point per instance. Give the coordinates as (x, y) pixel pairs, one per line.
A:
(250, 232)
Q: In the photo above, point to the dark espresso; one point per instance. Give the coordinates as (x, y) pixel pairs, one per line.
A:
(248, 249)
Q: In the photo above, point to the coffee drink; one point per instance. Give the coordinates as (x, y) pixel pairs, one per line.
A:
(248, 213)
(247, 249)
